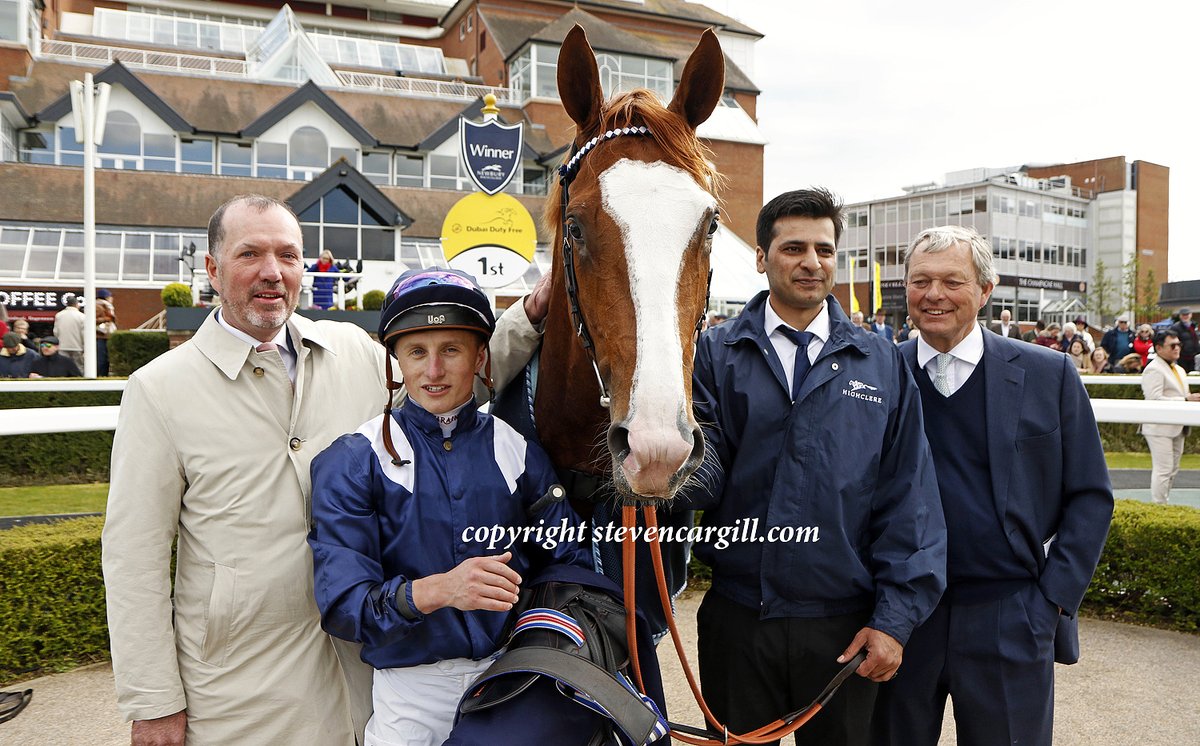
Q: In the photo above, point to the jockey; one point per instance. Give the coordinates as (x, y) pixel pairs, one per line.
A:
(405, 511)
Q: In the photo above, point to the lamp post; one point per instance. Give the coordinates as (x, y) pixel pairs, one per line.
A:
(89, 104)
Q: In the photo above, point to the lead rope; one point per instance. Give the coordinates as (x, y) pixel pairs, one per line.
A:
(768, 733)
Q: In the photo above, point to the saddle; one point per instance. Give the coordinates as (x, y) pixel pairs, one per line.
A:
(565, 675)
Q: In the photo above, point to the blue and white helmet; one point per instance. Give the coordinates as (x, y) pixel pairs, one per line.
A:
(424, 299)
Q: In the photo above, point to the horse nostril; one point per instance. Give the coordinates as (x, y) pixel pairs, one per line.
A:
(697, 444)
(618, 442)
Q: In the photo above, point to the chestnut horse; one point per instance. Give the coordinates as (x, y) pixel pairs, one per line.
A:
(634, 212)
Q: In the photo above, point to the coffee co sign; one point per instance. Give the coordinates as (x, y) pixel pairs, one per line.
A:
(33, 303)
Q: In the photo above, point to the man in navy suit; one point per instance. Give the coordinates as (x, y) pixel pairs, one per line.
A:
(881, 326)
(1027, 502)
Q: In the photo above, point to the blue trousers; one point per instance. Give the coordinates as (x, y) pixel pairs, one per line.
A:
(995, 659)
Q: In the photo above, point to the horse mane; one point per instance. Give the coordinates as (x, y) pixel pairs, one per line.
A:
(679, 143)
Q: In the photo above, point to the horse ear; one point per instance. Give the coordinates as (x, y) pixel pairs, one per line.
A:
(702, 82)
(579, 80)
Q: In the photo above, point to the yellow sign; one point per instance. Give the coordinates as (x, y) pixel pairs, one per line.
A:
(491, 237)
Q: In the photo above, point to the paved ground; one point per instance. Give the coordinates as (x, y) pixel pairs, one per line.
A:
(1133, 686)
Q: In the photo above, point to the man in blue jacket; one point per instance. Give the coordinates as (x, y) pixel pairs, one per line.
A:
(815, 444)
(1027, 502)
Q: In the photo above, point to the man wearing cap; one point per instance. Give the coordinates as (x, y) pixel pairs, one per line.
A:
(52, 363)
(1118, 341)
(68, 327)
(1186, 331)
(213, 446)
(15, 358)
(393, 505)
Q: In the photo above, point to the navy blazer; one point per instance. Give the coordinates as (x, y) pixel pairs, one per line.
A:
(1049, 477)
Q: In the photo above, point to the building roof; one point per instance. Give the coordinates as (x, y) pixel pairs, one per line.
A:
(118, 74)
(342, 174)
(244, 108)
(511, 32)
(305, 94)
(678, 10)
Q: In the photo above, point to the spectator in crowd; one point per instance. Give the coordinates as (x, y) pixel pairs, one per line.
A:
(1049, 337)
(1086, 330)
(856, 318)
(716, 318)
(905, 329)
(1005, 326)
(3, 319)
(68, 327)
(386, 532)
(1185, 328)
(769, 634)
(1131, 363)
(324, 287)
(52, 363)
(21, 327)
(1118, 340)
(881, 326)
(1027, 501)
(1098, 362)
(15, 359)
(232, 651)
(1077, 351)
(1143, 343)
(1164, 380)
(1039, 326)
(1070, 333)
(106, 324)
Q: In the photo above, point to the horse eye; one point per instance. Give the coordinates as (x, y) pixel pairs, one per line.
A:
(575, 230)
(712, 226)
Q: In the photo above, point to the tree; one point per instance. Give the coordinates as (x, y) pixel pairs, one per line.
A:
(1139, 291)
(1102, 293)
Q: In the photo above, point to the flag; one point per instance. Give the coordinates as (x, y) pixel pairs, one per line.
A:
(853, 296)
(878, 286)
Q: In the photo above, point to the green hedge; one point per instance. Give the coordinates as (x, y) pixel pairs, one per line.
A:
(51, 597)
(56, 458)
(1150, 569)
(130, 350)
(1118, 436)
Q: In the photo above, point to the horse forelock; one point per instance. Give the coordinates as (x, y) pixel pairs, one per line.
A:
(681, 148)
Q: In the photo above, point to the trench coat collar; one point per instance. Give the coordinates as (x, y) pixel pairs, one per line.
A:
(229, 354)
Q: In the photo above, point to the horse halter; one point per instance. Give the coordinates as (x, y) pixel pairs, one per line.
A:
(566, 174)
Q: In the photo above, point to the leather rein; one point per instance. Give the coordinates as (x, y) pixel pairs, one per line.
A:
(718, 734)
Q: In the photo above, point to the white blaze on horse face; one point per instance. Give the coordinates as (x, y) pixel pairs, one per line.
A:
(658, 208)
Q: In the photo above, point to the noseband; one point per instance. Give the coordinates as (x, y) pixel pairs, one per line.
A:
(566, 174)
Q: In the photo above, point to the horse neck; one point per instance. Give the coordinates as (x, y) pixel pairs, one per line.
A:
(571, 423)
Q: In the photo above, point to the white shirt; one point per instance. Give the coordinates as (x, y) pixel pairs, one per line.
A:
(785, 348)
(967, 355)
(281, 341)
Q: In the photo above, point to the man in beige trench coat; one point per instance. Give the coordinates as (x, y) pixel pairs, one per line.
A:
(213, 446)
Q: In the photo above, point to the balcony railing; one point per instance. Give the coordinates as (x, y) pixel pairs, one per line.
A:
(222, 67)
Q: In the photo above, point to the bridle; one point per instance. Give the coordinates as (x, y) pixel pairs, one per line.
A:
(566, 174)
(698, 736)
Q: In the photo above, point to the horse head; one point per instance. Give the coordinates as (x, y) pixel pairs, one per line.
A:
(634, 210)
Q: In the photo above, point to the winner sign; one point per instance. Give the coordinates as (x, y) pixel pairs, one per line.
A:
(491, 152)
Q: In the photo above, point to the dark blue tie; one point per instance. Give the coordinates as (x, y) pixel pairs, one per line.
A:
(801, 339)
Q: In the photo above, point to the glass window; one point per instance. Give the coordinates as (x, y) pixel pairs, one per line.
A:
(308, 153)
(196, 156)
(159, 151)
(350, 154)
(10, 20)
(340, 207)
(375, 166)
(410, 170)
(443, 172)
(378, 243)
(272, 160)
(235, 158)
(37, 147)
(70, 152)
(545, 71)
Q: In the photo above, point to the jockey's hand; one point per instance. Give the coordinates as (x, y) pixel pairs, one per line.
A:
(164, 731)
(537, 303)
(884, 654)
(486, 583)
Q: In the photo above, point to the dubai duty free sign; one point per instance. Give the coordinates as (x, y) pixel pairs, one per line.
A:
(491, 237)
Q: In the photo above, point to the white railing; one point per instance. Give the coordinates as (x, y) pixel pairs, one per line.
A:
(12, 385)
(423, 87)
(222, 67)
(144, 58)
(1108, 379)
(57, 420)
